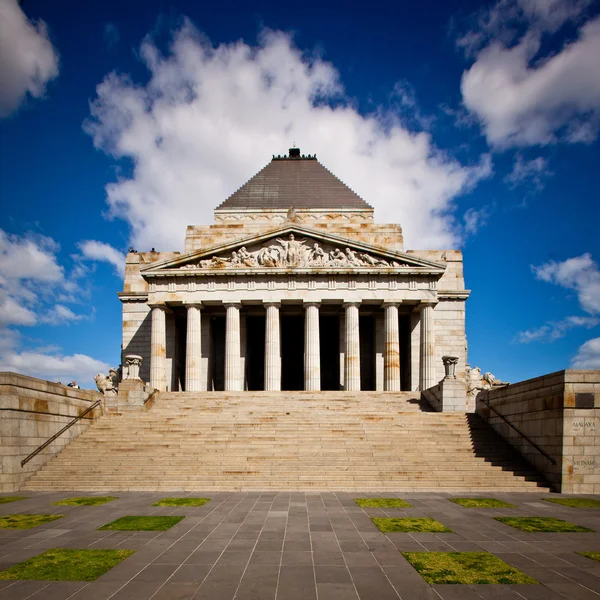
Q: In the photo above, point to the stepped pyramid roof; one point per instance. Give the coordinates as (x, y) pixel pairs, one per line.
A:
(294, 181)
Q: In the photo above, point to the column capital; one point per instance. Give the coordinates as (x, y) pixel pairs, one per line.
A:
(192, 303)
(307, 304)
(237, 305)
(386, 304)
(426, 304)
(269, 303)
(348, 304)
(161, 305)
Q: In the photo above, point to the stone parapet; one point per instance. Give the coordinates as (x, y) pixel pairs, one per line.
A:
(32, 411)
(560, 413)
(449, 395)
(132, 396)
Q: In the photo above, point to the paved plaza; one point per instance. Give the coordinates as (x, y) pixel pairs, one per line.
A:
(299, 546)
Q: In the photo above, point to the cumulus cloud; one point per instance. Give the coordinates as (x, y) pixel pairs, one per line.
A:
(28, 60)
(555, 330)
(524, 94)
(55, 367)
(580, 273)
(60, 314)
(588, 356)
(210, 117)
(529, 173)
(100, 251)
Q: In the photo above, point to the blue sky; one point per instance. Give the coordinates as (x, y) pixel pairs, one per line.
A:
(473, 125)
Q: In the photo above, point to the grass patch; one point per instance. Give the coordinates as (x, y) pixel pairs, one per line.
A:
(482, 503)
(65, 564)
(86, 501)
(593, 555)
(7, 499)
(541, 524)
(575, 502)
(142, 523)
(26, 521)
(409, 525)
(182, 502)
(464, 568)
(382, 503)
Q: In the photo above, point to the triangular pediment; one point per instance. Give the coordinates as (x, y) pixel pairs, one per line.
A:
(292, 247)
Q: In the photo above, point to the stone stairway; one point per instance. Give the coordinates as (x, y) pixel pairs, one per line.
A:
(372, 441)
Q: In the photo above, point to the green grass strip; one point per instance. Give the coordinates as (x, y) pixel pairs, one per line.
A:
(409, 525)
(142, 523)
(464, 568)
(482, 503)
(575, 502)
(86, 501)
(593, 555)
(7, 499)
(65, 564)
(26, 521)
(542, 524)
(382, 503)
(182, 502)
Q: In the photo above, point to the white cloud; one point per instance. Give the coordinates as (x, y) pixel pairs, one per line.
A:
(13, 312)
(580, 273)
(100, 251)
(530, 173)
(60, 314)
(209, 118)
(80, 367)
(476, 219)
(524, 95)
(27, 58)
(588, 356)
(555, 330)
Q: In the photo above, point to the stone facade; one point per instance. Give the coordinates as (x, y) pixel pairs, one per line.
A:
(560, 413)
(305, 292)
(31, 412)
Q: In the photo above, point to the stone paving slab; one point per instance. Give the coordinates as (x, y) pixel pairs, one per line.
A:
(299, 546)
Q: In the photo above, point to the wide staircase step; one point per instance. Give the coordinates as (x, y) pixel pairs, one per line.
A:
(223, 441)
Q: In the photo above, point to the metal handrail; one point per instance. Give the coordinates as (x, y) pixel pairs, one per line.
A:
(67, 426)
(524, 436)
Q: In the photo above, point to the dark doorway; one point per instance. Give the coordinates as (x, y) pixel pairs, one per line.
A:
(367, 353)
(255, 352)
(292, 352)
(218, 353)
(405, 361)
(329, 332)
(178, 383)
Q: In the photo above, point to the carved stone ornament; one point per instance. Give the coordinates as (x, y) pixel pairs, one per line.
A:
(292, 252)
(133, 363)
(450, 363)
(108, 384)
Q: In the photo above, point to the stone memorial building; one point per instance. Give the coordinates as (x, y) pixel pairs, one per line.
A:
(294, 287)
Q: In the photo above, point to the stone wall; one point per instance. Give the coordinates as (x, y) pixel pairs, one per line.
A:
(31, 411)
(553, 412)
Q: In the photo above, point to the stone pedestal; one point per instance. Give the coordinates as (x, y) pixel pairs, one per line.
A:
(133, 362)
(352, 363)
(312, 348)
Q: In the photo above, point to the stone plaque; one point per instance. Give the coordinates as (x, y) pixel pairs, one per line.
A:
(584, 400)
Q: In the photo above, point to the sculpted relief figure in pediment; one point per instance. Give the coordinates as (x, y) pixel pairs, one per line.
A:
(292, 252)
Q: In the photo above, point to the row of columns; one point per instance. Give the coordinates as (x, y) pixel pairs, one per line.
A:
(312, 353)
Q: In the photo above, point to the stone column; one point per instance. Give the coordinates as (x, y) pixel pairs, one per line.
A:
(193, 351)
(352, 362)
(272, 348)
(427, 347)
(233, 361)
(158, 348)
(392, 348)
(312, 348)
